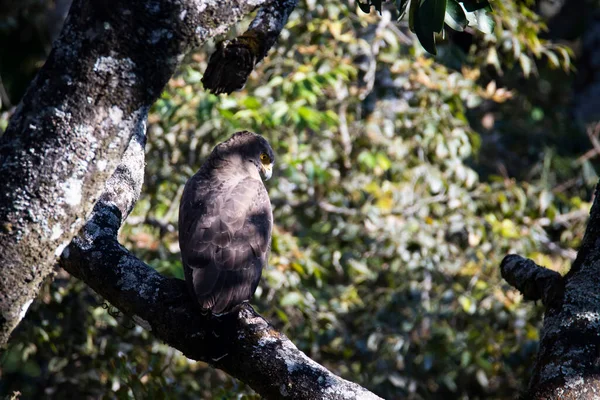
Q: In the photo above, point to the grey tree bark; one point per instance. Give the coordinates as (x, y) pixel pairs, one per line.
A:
(74, 152)
(69, 132)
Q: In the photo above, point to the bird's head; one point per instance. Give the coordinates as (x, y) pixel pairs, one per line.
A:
(249, 148)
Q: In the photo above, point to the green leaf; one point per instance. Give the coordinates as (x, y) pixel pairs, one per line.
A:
(564, 52)
(468, 305)
(431, 15)
(526, 64)
(508, 229)
(359, 267)
(455, 16)
(56, 364)
(282, 316)
(367, 159)
(424, 33)
(383, 161)
(482, 19)
(291, 299)
(252, 103)
(553, 58)
(485, 21)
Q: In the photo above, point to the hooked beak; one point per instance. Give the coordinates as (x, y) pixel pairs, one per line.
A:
(266, 171)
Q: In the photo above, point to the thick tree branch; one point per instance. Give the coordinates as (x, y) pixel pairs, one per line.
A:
(533, 281)
(233, 60)
(68, 134)
(242, 343)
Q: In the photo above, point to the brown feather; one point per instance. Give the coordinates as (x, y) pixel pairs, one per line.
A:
(225, 223)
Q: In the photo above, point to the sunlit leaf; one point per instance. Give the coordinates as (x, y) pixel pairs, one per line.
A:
(455, 16)
(291, 299)
(467, 304)
(482, 19)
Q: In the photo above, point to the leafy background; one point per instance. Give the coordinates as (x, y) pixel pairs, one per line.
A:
(401, 182)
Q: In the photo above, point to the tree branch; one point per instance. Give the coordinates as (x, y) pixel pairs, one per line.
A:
(533, 281)
(69, 132)
(243, 343)
(232, 62)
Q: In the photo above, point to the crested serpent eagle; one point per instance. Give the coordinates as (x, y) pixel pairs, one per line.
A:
(225, 223)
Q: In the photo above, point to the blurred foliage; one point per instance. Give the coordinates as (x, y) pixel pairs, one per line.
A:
(394, 202)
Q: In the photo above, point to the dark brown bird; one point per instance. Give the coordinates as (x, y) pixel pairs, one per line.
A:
(225, 223)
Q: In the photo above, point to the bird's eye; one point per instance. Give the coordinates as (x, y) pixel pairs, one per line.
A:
(265, 159)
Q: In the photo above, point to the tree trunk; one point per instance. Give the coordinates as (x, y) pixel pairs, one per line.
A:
(68, 134)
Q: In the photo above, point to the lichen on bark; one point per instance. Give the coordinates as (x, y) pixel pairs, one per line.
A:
(66, 137)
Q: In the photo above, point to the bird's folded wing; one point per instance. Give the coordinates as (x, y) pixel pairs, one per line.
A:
(226, 244)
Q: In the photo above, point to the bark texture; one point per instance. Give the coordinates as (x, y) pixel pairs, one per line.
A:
(110, 62)
(568, 362)
(233, 60)
(533, 281)
(242, 343)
